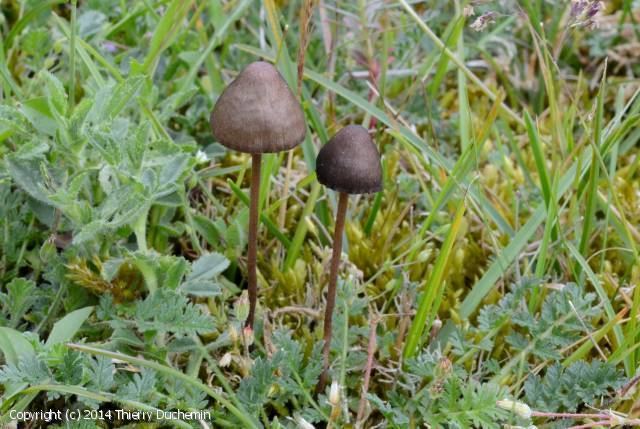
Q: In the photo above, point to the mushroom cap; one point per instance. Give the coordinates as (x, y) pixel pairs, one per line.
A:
(258, 113)
(350, 162)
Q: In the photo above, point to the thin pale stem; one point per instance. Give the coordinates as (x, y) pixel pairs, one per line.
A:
(72, 57)
(343, 199)
(256, 162)
(285, 191)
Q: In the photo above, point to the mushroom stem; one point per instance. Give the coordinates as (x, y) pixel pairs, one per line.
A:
(343, 199)
(256, 161)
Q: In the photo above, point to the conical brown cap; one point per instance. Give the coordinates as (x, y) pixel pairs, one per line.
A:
(257, 112)
(350, 162)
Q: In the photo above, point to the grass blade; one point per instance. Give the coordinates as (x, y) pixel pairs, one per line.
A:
(166, 31)
(301, 231)
(592, 189)
(434, 288)
(458, 62)
(582, 351)
(214, 41)
(265, 219)
(602, 294)
(538, 154)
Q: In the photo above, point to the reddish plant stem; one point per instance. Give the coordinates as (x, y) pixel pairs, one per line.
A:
(568, 415)
(343, 199)
(371, 349)
(256, 161)
(607, 419)
(594, 424)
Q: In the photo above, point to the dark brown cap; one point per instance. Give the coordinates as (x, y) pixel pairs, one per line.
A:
(258, 113)
(350, 162)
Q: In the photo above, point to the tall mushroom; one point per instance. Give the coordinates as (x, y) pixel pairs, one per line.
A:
(350, 164)
(257, 113)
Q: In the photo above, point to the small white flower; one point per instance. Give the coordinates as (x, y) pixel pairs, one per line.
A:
(201, 157)
(519, 408)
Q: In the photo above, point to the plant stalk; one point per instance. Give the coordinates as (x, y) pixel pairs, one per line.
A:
(343, 199)
(371, 349)
(256, 162)
(72, 57)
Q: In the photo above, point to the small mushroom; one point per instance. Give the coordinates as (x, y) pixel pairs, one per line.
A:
(350, 164)
(257, 113)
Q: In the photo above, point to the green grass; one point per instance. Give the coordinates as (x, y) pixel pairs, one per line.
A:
(500, 261)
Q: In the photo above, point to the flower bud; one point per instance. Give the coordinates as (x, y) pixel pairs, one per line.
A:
(444, 366)
(247, 333)
(334, 394)
(48, 251)
(521, 409)
(273, 390)
(234, 335)
(242, 307)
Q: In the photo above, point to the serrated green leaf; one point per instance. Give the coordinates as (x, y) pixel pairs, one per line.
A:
(27, 175)
(101, 372)
(56, 95)
(172, 171)
(20, 297)
(174, 273)
(111, 99)
(13, 120)
(207, 229)
(31, 150)
(89, 232)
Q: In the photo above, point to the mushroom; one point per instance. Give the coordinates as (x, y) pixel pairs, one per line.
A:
(350, 164)
(257, 113)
